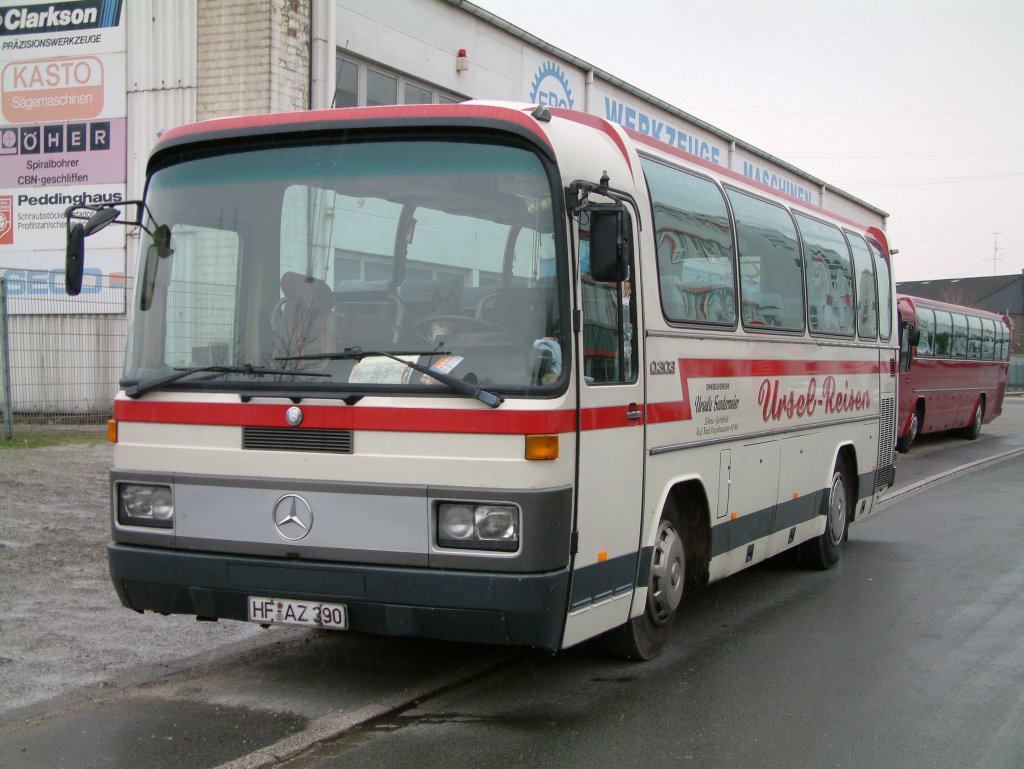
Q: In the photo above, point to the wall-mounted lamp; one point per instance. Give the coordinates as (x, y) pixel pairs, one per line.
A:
(461, 61)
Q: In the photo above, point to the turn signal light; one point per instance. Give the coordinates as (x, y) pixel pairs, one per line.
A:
(111, 431)
(544, 447)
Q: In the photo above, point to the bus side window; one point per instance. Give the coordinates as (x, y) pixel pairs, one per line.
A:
(693, 236)
(926, 331)
(988, 338)
(829, 278)
(884, 293)
(943, 333)
(867, 295)
(609, 319)
(771, 274)
(908, 335)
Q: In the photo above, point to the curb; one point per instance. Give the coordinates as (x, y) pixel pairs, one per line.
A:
(890, 498)
(333, 725)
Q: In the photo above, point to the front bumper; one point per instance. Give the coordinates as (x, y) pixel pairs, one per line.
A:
(512, 609)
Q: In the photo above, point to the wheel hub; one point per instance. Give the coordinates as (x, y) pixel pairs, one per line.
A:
(837, 510)
(668, 572)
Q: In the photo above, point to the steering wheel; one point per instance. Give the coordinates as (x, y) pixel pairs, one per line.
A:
(434, 326)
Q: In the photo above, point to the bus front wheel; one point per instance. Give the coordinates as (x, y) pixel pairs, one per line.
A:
(641, 638)
(903, 444)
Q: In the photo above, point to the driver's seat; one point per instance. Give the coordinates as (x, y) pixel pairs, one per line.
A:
(304, 320)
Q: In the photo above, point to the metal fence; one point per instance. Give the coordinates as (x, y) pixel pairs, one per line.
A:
(1015, 377)
(60, 356)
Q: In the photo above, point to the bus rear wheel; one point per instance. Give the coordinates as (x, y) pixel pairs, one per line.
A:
(823, 552)
(973, 430)
(641, 638)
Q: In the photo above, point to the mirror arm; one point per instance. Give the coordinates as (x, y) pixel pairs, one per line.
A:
(577, 197)
(84, 211)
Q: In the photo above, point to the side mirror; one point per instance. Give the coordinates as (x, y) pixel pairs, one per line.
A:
(74, 259)
(74, 250)
(607, 245)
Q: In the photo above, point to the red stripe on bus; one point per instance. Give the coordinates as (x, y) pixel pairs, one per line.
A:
(378, 419)
(597, 123)
(473, 421)
(496, 422)
(675, 411)
(726, 367)
(324, 118)
(608, 417)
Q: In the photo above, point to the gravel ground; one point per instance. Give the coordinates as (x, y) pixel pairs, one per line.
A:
(61, 624)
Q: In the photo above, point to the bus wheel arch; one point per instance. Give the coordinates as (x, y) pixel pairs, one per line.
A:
(679, 562)
(690, 502)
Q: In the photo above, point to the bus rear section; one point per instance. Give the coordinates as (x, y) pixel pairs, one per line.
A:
(953, 368)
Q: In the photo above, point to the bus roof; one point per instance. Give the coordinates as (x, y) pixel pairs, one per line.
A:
(913, 302)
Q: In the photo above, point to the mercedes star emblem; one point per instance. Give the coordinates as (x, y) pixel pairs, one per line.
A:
(293, 416)
(293, 517)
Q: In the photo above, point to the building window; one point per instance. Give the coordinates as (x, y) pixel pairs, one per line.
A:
(346, 89)
(359, 84)
(381, 89)
(415, 94)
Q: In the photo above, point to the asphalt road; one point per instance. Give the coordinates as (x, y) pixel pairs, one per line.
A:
(907, 654)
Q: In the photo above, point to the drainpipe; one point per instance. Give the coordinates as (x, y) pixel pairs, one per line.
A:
(322, 53)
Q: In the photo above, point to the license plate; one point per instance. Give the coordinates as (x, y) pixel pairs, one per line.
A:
(282, 611)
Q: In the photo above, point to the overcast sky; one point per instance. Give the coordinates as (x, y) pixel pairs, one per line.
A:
(916, 107)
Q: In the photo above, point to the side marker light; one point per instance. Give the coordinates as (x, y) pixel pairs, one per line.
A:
(542, 447)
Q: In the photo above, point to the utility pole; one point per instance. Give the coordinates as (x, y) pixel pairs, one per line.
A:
(995, 251)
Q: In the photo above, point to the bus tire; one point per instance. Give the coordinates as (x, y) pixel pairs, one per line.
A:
(903, 444)
(823, 552)
(973, 430)
(641, 638)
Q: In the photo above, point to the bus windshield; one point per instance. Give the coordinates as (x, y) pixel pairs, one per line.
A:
(290, 266)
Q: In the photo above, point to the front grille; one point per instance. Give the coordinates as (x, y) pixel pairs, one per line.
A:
(297, 439)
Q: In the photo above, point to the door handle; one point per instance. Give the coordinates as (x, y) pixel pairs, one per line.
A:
(634, 413)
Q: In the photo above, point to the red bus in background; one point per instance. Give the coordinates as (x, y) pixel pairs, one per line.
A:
(953, 365)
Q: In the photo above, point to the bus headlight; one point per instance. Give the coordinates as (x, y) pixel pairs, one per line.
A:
(478, 527)
(145, 505)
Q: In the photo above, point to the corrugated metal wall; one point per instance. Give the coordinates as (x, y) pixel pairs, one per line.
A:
(161, 77)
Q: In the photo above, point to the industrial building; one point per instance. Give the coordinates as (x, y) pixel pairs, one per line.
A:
(88, 88)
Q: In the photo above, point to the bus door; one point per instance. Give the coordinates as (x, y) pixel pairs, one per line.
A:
(610, 470)
(909, 335)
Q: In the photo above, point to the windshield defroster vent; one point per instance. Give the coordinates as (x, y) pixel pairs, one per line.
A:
(292, 439)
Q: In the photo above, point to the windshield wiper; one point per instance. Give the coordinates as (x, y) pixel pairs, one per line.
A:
(141, 388)
(458, 385)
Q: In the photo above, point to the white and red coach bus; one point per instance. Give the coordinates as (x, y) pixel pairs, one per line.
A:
(494, 373)
(953, 368)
